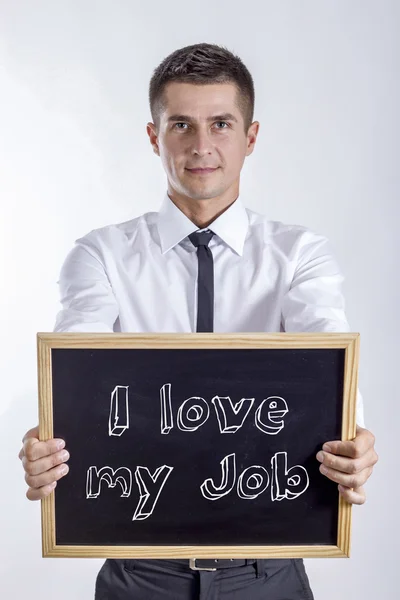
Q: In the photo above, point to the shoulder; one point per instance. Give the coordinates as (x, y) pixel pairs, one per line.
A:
(290, 238)
(116, 235)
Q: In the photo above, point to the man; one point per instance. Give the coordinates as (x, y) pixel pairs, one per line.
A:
(203, 263)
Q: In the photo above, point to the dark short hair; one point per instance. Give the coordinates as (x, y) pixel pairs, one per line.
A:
(202, 64)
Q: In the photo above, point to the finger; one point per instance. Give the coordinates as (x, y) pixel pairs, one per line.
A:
(351, 481)
(37, 481)
(32, 433)
(38, 494)
(363, 441)
(348, 465)
(42, 465)
(33, 449)
(356, 496)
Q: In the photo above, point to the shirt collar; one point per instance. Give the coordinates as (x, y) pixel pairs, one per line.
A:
(174, 226)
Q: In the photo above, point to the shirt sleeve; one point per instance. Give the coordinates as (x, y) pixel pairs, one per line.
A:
(314, 301)
(87, 299)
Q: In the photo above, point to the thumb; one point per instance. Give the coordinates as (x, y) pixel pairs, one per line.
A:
(32, 433)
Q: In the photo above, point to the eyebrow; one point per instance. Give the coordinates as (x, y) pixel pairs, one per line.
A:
(223, 117)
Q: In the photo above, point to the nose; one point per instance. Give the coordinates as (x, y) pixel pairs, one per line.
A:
(201, 143)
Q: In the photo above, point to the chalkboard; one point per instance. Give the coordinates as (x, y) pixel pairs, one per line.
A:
(190, 445)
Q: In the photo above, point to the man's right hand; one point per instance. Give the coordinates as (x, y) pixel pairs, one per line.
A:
(43, 462)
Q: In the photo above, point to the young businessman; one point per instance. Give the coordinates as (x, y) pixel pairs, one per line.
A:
(204, 262)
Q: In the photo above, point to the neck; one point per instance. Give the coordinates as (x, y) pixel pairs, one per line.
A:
(203, 212)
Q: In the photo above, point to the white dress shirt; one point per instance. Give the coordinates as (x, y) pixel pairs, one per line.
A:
(141, 276)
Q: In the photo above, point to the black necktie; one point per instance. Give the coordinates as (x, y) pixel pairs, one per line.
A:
(205, 288)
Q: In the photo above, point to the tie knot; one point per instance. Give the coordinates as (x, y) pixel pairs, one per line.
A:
(201, 238)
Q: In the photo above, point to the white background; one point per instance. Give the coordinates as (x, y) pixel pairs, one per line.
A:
(74, 155)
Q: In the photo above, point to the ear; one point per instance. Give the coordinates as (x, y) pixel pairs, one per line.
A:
(152, 133)
(252, 136)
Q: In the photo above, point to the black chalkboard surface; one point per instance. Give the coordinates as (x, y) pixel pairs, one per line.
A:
(196, 444)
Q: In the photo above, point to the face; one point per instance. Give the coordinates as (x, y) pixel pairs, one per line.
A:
(202, 127)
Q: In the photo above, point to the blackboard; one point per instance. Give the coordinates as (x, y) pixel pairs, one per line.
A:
(193, 445)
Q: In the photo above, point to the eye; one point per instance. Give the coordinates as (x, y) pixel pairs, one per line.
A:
(224, 122)
(273, 404)
(179, 124)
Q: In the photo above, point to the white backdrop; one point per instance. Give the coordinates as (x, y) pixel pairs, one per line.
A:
(74, 155)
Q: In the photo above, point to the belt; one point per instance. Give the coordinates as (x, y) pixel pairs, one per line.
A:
(212, 564)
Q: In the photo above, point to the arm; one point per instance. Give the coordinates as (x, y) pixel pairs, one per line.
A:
(314, 302)
(88, 305)
(88, 302)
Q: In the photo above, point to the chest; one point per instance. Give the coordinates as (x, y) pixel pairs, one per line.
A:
(158, 292)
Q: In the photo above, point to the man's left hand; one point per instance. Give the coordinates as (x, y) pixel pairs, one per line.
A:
(350, 464)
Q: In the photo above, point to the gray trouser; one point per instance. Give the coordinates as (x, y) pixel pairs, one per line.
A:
(142, 579)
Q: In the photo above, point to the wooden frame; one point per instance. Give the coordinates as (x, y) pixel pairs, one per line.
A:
(47, 341)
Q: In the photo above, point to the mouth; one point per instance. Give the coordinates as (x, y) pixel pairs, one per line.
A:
(202, 171)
